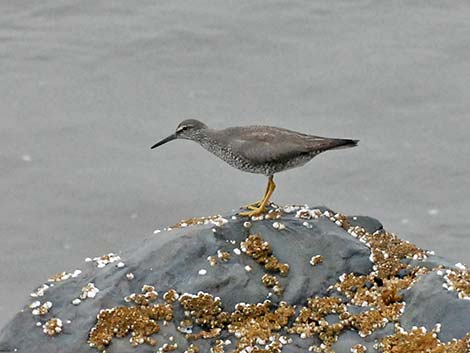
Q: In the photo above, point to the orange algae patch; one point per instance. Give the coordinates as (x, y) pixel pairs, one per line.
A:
(261, 251)
(171, 296)
(168, 347)
(140, 321)
(204, 309)
(255, 323)
(271, 281)
(373, 291)
(251, 323)
(418, 340)
(387, 251)
(212, 333)
(212, 260)
(316, 260)
(311, 320)
(459, 280)
(62, 276)
(52, 327)
(386, 305)
(224, 256)
(218, 347)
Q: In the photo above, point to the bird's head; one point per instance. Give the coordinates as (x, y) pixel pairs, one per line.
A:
(187, 129)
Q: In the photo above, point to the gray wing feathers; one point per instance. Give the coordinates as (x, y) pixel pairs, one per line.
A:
(264, 144)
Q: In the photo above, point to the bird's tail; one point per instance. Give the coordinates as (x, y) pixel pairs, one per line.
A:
(339, 144)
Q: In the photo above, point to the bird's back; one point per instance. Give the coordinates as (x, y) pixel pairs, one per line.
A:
(276, 142)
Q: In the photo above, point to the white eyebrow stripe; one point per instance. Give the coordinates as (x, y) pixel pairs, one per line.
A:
(181, 128)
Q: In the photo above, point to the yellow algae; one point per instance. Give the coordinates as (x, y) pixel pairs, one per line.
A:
(208, 334)
(254, 322)
(212, 260)
(316, 260)
(62, 276)
(311, 320)
(204, 309)
(261, 251)
(168, 347)
(271, 281)
(141, 321)
(52, 327)
(170, 296)
(223, 256)
(218, 347)
(458, 280)
(418, 340)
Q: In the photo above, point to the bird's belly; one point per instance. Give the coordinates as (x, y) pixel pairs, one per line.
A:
(276, 167)
(268, 168)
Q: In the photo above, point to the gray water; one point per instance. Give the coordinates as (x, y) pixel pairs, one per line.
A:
(87, 86)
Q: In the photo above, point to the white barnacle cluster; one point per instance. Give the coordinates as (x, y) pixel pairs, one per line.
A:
(223, 255)
(63, 276)
(39, 309)
(316, 260)
(291, 208)
(216, 220)
(130, 276)
(52, 327)
(305, 212)
(457, 279)
(148, 294)
(219, 221)
(358, 348)
(40, 291)
(321, 348)
(167, 347)
(104, 260)
(279, 225)
(212, 260)
(89, 291)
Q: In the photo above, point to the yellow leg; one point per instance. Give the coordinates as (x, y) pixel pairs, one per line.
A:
(262, 207)
(256, 204)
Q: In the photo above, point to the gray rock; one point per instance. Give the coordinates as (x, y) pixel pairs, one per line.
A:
(428, 304)
(173, 260)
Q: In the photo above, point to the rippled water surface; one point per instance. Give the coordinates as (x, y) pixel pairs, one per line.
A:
(86, 87)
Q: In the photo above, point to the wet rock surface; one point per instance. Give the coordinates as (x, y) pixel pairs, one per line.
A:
(189, 289)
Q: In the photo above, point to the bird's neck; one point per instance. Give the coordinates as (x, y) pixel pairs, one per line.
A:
(208, 140)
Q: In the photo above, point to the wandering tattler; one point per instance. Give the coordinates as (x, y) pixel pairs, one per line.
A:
(257, 149)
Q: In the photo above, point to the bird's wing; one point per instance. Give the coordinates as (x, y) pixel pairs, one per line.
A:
(263, 144)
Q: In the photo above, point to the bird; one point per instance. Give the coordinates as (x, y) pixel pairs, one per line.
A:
(257, 149)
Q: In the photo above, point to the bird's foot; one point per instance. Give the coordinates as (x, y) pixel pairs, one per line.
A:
(254, 212)
(253, 206)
